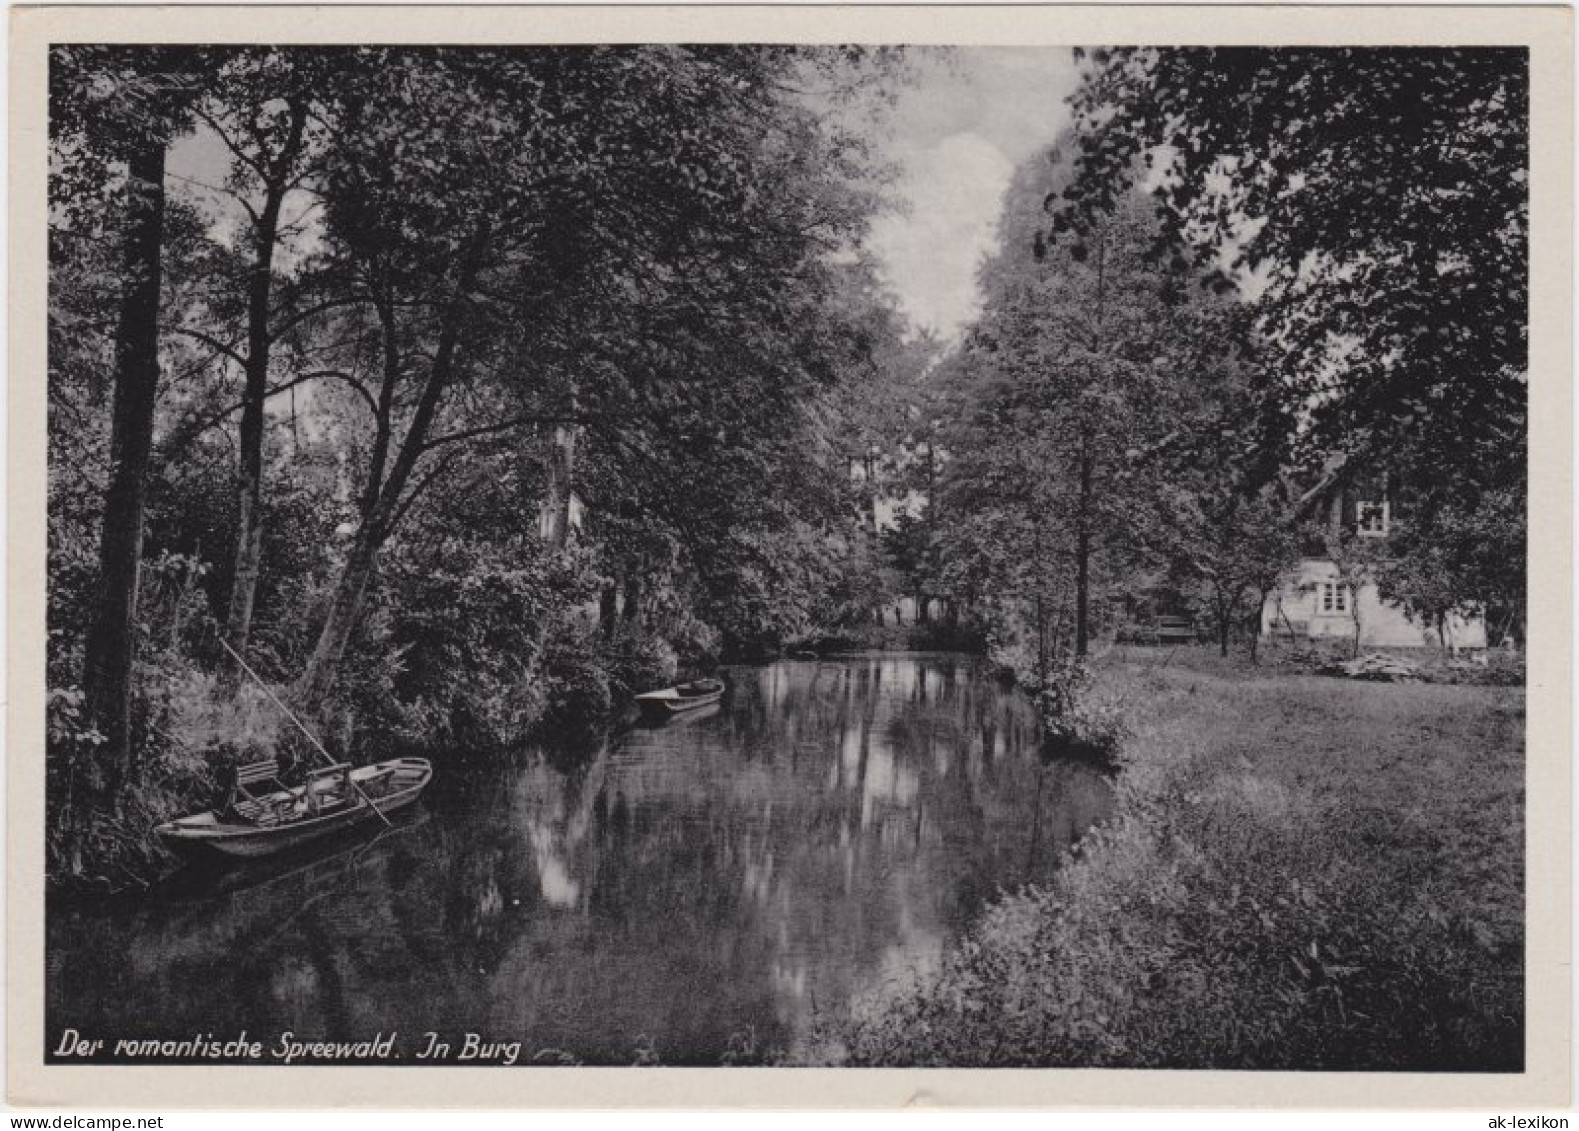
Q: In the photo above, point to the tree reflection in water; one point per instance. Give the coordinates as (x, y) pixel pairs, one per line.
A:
(697, 888)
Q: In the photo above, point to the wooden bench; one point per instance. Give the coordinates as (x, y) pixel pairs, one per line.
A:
(374, 783)
(1175, 630)
(249, 794)
(330, 788)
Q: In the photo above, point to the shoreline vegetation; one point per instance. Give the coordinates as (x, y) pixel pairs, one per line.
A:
(457, 391)
(1302, 872)
(580, 687)
(463, 393)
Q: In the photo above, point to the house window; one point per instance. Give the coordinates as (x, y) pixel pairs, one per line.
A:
(1334, 597)
(1373, 519)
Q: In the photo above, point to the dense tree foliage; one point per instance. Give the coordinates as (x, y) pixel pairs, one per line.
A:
(1120, 434)
(1107, 432)
(465, 390)
(1380, 195)
(110, 108)
(1374, 202)
(469, 385)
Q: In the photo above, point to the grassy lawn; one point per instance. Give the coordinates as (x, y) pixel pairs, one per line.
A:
(1305, 872)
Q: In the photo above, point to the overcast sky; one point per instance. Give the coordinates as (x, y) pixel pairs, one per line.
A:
(957, 134)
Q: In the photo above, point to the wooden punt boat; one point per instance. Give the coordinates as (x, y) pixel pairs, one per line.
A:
(683, 697)
(253, 824)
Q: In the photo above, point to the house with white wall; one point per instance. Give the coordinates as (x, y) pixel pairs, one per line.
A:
(1314, 603)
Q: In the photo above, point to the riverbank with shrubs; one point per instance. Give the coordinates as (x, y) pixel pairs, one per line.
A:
(450, 695)
(481, 669)
(1304, 873)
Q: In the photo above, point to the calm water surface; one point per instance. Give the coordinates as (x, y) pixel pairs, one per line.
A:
(691, 892)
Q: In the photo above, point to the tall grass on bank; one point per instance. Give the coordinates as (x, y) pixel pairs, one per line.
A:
(1304, 873)
(99, 832)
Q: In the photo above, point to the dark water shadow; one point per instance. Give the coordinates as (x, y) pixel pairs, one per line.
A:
(1062, 747)
(209, 877)
(699, 714)
(698, 889)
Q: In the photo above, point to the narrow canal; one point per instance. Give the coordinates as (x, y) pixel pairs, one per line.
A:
(691, 893)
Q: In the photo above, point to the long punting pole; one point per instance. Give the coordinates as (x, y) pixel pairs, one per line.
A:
(318, 746)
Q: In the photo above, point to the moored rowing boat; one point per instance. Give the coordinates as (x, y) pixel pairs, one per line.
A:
(289, 818)
(682, 697)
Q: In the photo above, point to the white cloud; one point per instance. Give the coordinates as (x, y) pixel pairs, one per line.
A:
(954, 190)
(957, 134)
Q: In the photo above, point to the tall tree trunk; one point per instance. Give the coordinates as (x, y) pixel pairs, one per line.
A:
(1083, 553)
(1038, 586)
(1087, 458)
(608, 608)
(344, 610)
(561, 480)
(871, 490)
(384, 501)
(111, 643)
(632, 606)
(249, 493)
(249, 533)
(929, 520)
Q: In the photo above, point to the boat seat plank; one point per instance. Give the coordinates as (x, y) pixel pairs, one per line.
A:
(329, 788)
(378, 779)
(258, 813)
(255, 772)
(249, 799)
(334, 771)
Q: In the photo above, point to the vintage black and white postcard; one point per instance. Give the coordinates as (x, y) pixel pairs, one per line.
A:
(548, 541)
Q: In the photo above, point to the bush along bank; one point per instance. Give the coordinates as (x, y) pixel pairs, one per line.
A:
(450, 700)
(1302, 874)
(1080, 717)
